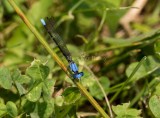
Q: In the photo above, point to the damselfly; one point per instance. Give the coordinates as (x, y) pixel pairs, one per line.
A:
(49, 25)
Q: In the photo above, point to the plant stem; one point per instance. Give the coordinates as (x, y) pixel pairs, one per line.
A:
(56, 58)
(91, 100)
(129, 78)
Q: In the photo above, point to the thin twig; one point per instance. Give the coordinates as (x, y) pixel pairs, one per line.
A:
(103, 92)
(129, 78)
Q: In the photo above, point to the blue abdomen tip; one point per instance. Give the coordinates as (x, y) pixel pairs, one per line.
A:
(43, 22)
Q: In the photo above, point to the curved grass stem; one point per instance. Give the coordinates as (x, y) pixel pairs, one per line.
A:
(129, 78)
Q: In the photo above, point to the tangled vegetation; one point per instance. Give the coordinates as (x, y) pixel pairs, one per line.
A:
(115, 43)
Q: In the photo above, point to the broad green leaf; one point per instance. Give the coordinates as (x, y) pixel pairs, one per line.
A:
(157, 91)
(38, 9)
(23, 79)
(95, 89)
(86, 22)
(101, 4)
(48, 88)
(1, 14)
(73, 112)
(50, 108)
(20, 88)
(17, 77)
(150, 36)
(59, 100)
(115, 2)
(117, 42)
(3, 109)
(18, 41)
(143, 28)
(34, 115)
(112, 16)
(71, 95)
(157, 48)
(112, 19)
(16, 74)
(19, 80)
(62, 112)
(150, 65)
(123, 111)
(154, 105)
(35, 93)
(16, 44)
(37, 71)
(7, 6)
(50, 62)
(154, 17)
(5, 78)
(87, 80)
(28, 106)
(11, 109)
(45, 109)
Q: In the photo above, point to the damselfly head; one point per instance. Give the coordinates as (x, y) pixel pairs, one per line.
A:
(43, 22)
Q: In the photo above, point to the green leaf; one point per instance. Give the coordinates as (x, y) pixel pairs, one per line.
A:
(5, 78)
(95, 89)
(11, 109)
(7, 6)
(19, 80)
(3, 109)
(118, 42)
(71, 95)
(157, 91)
(28, 106)
(157, 48)
(61, 112)
(37, 10)
(1, 14)
(123, 111)
(86, 22)
(154, 105)
(35, 93)
(34, 115)
(59, 100)
(24, 79)
(17, 77)
(150, 65)
(40, 109)
(16, 45)
(20, 88)
(45, 109)
(16, 74)
(48, 88)
(37, 71)
(87, 80)
(141, 27)
(115, 2)
(115, 15)
(73, 112)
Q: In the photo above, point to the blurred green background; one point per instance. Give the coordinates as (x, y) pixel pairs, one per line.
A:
(106, 45)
